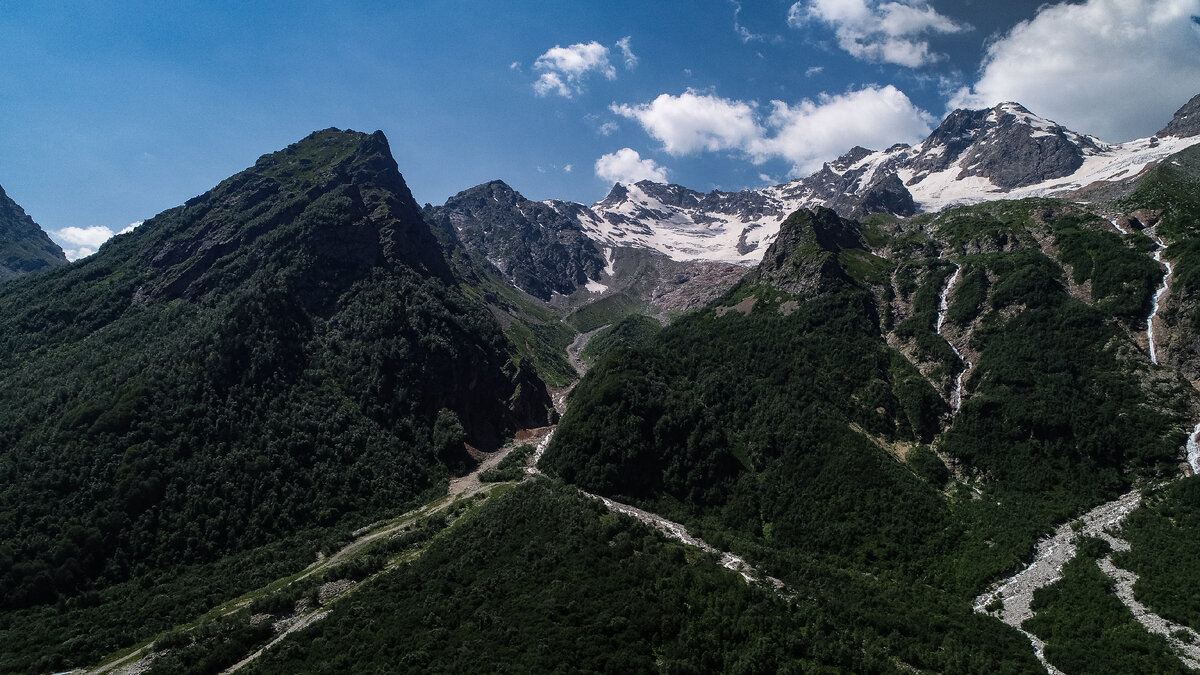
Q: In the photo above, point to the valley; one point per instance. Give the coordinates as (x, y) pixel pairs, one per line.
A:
(925, 410)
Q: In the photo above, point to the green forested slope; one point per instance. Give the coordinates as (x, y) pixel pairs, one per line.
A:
(767, 420)
(288, 351)
(541, 579)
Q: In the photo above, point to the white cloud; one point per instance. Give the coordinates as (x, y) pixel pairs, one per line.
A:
(564, 69)
(608, 128)
(627, 166)
(515, 65)
(806, 133)
(743, 32)
(692, 122)
(631, 59)
(84, 241)
(812, 132)
(1117, 69)
(568, 168)
(880, 32)
(814, 70)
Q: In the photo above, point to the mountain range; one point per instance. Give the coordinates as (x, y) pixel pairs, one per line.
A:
(290, 424)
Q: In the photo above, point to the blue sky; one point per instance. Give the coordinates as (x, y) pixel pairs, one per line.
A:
(111, 112)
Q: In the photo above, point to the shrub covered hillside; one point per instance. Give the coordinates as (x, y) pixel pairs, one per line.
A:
(287, 351)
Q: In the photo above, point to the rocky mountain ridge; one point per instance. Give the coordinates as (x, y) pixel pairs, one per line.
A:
(1005, 152)
(24, 246)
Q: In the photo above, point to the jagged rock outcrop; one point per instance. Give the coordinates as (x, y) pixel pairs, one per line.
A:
(973, 156)
(335, 201)
(24, 246)
(804, 258)
(538, 249)
(1186, 122)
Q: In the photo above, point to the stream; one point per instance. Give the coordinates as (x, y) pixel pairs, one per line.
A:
(943, 308)
(1052, 553)
(1158, 258)
(1154, 303)
(1016, 593)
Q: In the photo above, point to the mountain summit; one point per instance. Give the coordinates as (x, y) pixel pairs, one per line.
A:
(333, 204)
(288, 350)
(24, 246)
(973, 156)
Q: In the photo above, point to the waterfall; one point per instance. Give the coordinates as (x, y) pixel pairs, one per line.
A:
(1158, 257)
(943, 309)
(1193, 450)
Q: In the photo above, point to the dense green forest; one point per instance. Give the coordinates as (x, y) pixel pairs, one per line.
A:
(1086, 628)
(288, 351)
(784, 426)
(286, 364)
(541, 579)
(631, 332)
(1165, 538)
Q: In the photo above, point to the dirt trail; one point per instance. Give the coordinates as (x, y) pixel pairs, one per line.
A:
(299, 623)
(135, 662)
(460, 488)
(678, 532)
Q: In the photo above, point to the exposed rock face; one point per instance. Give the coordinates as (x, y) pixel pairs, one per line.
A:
(973, 156)
(24, 246)
(804, 258)
(884, 195)
(1186, 122)
(335, 200)
(1008, 145)
(539, 249)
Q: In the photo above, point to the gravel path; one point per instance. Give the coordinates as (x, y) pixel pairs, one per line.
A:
(678, 532)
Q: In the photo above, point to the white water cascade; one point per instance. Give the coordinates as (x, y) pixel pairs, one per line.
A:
(1158, 257)
(1193, 450)
(1193, 442)
(943, 308)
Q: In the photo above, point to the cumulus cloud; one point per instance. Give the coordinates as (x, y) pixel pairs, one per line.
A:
(564, 69)
(627, 166)
(880, 32)
(805, 133)
(84, 241)
(693, 121)
(1117, 69)
(811, 132)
